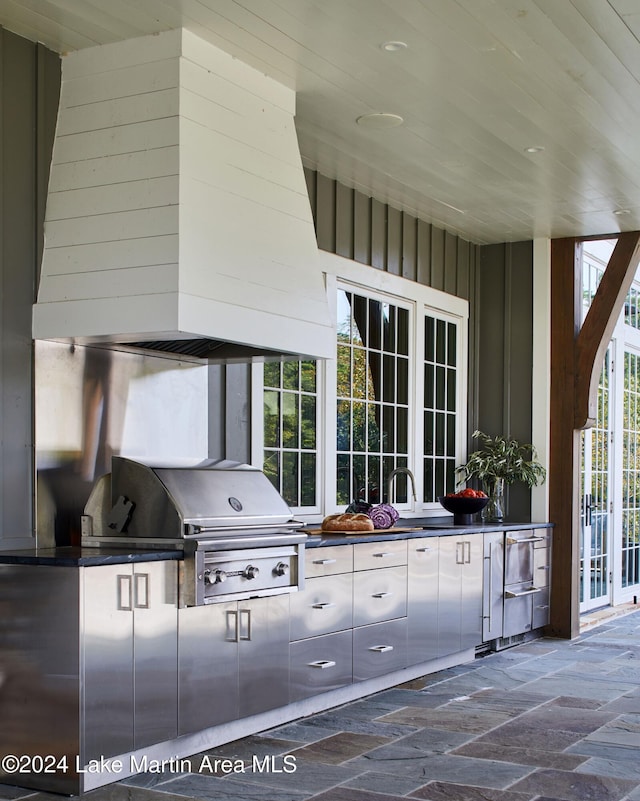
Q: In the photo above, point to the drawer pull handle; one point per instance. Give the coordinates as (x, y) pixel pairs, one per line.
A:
(543, 606)
(515, 541)
(324, 561)
(423, 550)
(323, 605)
(544, 567)
(382, 594)
(532, 591)
(381, 649)
(322, 664)
(384, 554)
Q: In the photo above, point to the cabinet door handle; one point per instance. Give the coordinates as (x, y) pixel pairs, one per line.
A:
(324, 561)
(125, 595)
(515, 541)
(141, 590)
(532, 591)
(322, 664)
(323, 605)
(382, 595)
(232, 627)
(423, 550)
(459, 553)
(384, 554)
(245, 624)
(381, 649)
(467, 552)
(542, 606)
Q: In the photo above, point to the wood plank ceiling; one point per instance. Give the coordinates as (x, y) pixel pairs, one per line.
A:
(479, 82)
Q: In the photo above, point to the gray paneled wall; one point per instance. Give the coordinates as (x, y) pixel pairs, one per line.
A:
(29, 86)
(505, 330)
(497, 280)
(358, 227)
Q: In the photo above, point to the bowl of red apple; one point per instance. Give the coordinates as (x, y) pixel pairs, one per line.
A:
(464, 505)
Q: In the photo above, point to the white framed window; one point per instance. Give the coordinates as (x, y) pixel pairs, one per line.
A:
(394, 397)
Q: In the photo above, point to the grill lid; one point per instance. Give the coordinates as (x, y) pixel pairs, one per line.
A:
(192, 499)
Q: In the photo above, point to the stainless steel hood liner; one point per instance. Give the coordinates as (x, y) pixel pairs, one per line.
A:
(177, 207)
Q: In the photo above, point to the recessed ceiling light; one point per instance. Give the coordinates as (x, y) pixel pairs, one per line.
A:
(620, 212)
(380, 120)
(534, 149)
(393, 47)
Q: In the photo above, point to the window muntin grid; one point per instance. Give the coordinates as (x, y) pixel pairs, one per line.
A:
(632, 307)
(594, 574)
(630, 567)
(373, 411)
(440, 407)
(290, 398)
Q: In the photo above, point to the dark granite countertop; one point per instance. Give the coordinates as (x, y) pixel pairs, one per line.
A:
(420, 527)
(78, 556)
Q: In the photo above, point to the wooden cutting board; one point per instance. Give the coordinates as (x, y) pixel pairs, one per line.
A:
(392, 530)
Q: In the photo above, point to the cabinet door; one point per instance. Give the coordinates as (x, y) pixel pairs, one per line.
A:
(422, 600)
(155, 652)
(207, 666)
(471, 592)
(493, 586)
(107, 679)
(449, 595)
(263, 650)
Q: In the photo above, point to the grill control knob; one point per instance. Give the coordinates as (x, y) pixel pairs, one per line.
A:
(216, 577)
(281, 569)
(251, 572)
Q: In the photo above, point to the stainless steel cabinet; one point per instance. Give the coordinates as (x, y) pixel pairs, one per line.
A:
(324, 605)
(320, 664)
(526, 591)
(460, 593)
(233, 661)
(493, 599)
(379, 649)
(129, 646)
(379, 595)
(422, 600)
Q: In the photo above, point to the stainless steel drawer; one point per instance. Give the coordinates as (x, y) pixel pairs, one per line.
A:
(541, 609)
(370, 555)
(325, 605)
(541, 567)
(328, 561)
(379, 649)
(379, 595)
(320, 664)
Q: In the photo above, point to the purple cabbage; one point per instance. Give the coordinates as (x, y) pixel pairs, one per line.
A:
(383, 515)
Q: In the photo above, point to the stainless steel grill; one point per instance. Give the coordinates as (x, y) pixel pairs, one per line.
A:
(238, 535)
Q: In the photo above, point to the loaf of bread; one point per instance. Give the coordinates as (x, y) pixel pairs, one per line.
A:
(347, 522)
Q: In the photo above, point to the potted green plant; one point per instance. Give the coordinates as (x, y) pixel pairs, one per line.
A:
(501, 461)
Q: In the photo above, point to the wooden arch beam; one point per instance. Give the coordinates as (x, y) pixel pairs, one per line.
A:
(596, 331)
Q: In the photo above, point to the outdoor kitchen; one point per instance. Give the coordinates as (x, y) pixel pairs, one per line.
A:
(172, 600)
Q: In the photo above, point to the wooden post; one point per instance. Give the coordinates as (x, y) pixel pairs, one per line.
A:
(576, 361)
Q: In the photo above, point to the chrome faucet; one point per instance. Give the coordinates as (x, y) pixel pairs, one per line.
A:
(393, 474)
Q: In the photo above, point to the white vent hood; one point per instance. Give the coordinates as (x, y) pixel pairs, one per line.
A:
(177, 212)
